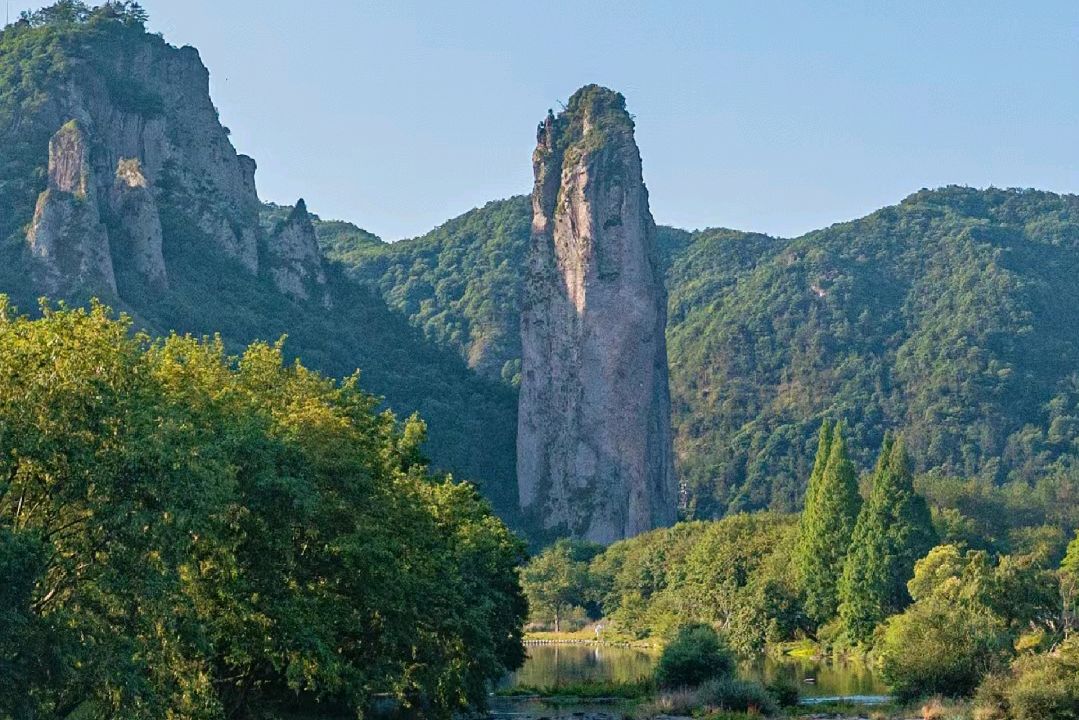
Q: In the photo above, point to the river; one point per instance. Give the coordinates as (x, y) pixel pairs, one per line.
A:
(564, 664)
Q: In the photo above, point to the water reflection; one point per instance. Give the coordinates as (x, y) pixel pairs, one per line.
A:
(554, 665)
(566, 664)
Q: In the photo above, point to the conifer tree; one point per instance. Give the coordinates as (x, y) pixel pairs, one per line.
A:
(827, 525)
(894, 530)
(824, 444)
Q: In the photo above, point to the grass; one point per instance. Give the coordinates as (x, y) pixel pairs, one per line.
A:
(586, 690)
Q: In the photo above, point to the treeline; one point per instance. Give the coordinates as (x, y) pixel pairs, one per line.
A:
(951, 599)
(184, 533)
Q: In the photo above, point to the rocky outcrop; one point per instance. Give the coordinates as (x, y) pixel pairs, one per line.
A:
(137, 233)
(294, 260)
(66, 235)
(149, 140)
(593, 446)
(150, 101)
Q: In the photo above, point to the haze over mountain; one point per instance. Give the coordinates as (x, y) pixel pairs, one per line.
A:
(947, 316)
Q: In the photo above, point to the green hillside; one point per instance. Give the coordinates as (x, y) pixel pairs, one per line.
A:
(948, 316)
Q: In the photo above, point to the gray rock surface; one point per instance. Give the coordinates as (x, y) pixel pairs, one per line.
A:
(594, 442)
(66, 235)
(150, 137)
(138, 225)
(294, 260)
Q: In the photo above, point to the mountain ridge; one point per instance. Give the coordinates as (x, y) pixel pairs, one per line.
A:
(946, 315)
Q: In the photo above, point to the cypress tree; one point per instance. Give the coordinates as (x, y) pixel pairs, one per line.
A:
(826, 529)
(894, 530)
(824, 444)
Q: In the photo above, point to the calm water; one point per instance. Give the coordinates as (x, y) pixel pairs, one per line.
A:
(563, 664)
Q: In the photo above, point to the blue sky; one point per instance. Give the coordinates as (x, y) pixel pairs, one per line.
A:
(772, 116)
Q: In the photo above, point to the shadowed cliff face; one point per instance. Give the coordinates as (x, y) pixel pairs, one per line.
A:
(593, 447)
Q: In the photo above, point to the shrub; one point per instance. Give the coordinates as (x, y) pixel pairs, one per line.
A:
(738, 695)
(785, 692)
(934, 647)
(1039, 687)
(695, 655)
(680, 702)
(1046, 687)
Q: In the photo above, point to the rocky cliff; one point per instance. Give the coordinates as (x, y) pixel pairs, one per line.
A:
(66, 236)
(593, 445)
(135, 126)
(294, 259)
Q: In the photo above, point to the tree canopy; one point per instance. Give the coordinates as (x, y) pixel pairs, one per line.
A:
(184, 532)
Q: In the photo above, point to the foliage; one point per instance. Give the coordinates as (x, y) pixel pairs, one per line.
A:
(696, 654)
(210, 294)
(785, 692)
(893, 531)
(459, 283)
(735, 573)
(641, 688)
(940, 316)
(952, 635)
(1038, 687)
(556, 580)
(734, 694)
(827, 524)
(189, 534)
(1069, 586)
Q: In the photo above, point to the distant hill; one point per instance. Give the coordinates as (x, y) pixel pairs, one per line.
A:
(948, 316)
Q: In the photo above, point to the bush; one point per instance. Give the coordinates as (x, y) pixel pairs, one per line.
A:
(737, 695)
(785, 692)
(1039, 687)
(695, 655)
(1046, 687)
(936, 648)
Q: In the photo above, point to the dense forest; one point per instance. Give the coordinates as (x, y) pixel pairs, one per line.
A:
(190, 534)
(946, 316)
(982, 602)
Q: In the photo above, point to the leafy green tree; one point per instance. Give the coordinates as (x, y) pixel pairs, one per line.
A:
(894, 529)
(184, 533)
(952, 635)
(696, 654)
(1069, 586)
(827, 523)
(555, 581)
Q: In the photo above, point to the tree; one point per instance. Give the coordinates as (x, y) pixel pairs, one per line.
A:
(555, 581)
(893, 531)
(189, 534)
(1069, 586)
(827, 523)
(952, 636)
(694, 655)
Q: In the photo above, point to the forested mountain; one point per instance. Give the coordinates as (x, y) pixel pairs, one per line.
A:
(92, 90)
(948, 316)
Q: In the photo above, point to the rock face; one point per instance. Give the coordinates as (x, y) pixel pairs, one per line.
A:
(66, 235)
(593, 442)
(138, 226)
(294, 260)
(146, 140)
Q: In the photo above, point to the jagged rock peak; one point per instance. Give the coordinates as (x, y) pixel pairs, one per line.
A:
(134, 96)
(593, 444)
(66, 235)
(294, 258)
(69, 167)
(138, 223)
